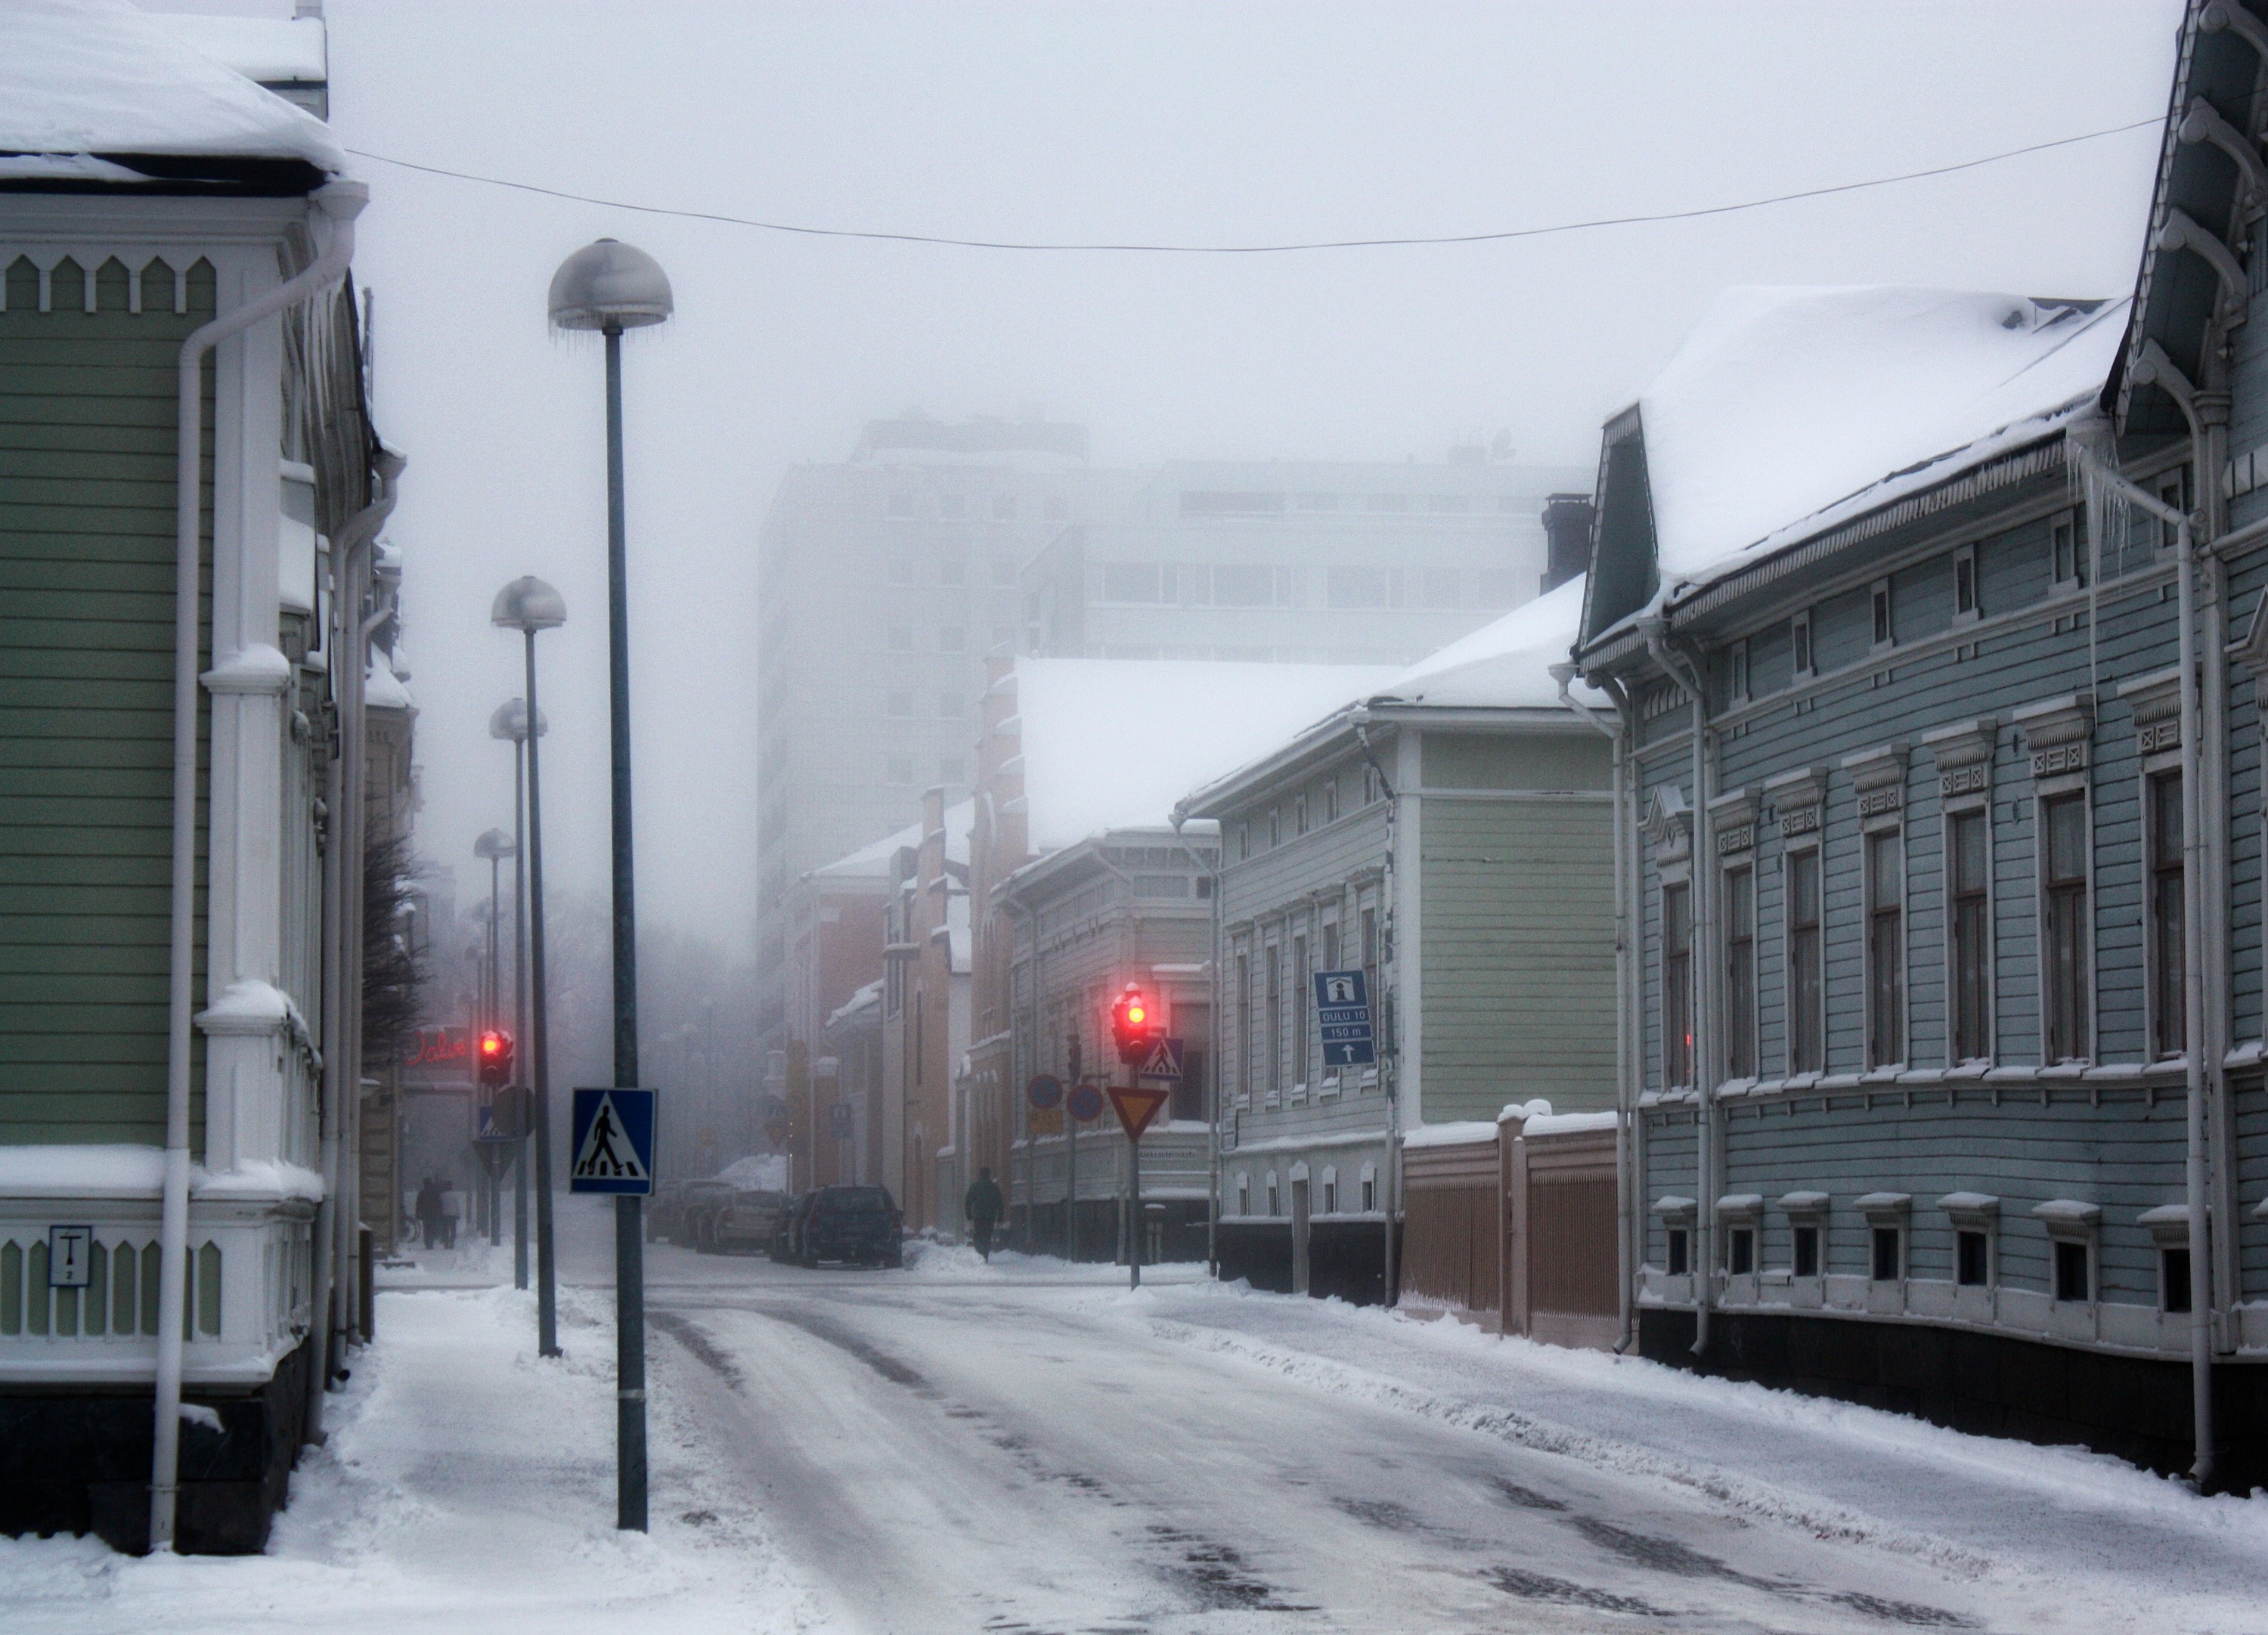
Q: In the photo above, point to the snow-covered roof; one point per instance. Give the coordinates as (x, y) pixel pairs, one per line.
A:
(383, 690)
(1786, 410)
(1114, 743)
(98, 76)
(873, 861)
(1506, 665)
(268, 49)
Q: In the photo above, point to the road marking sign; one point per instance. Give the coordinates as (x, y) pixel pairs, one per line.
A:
(1137, 1107)
(612, 1142)
(70, 1257)
(1084, 1102)
(1342, 1017)
(1164, 1061)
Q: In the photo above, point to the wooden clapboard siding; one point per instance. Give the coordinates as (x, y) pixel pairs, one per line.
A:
(1518, 965)
(87, 429)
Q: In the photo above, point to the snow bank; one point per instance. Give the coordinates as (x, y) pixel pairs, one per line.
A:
(465, 1485)
(96, 76)
(1114, 743)
(1787, 409)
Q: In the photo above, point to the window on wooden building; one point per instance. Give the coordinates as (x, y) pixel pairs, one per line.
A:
(1972, 1259)
(2168, 953)
(1677, 985)
(1737, 679)
(1807, 1012)
(1968, 877)
(2069, 548)
(1331, 800)
(1244, 1040)
(1369, 1194)
(1805, 1244)
(2174, 1279)
(1740, 1251)
(1886, 956)
(1274, 1080)
(2075, 1278)
(2064, 959)
(1274, 1197)
(1678, 1263)
(1300, 813)
(1964, 583)
(1889, 1256)
(1299, 987)
(1243, 1193)
(1878, 601)
(1799, 632)
(1369, 960)
(1741, 973)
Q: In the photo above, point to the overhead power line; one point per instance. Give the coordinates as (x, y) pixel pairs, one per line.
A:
(1263, 249)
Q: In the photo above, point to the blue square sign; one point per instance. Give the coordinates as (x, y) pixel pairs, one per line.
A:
(613, 1142)
(1342, 1016)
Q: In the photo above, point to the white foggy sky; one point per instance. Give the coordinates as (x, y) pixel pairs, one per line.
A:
(1196, 121)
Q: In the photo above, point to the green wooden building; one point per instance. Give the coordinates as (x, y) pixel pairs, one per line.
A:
(188, 196)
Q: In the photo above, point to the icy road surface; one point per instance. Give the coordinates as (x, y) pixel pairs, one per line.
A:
(1027, 1446)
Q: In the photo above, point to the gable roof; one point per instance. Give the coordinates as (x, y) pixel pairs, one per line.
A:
(82, 81)
(1114, 743)
(877, 859)
(1786, 412)
(1506, 665)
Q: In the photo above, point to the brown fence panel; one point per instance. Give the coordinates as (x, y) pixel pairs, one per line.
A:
(1450, 1215)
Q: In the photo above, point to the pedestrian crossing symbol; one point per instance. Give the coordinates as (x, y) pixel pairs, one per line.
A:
(612, 1142)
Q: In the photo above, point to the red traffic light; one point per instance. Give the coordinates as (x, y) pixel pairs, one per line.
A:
(495, 1053)
(1132, 1028)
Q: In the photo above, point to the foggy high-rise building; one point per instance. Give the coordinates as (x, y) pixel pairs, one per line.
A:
(885, 579)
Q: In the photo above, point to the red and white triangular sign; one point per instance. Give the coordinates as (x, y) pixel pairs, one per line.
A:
(1136, 1108)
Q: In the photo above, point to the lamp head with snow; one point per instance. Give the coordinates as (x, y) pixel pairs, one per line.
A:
(493, 844)
(528, 605)
(609, 285)
(509, 721)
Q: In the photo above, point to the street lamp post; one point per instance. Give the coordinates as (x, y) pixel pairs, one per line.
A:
(528, 605)
(495, 845)
(510, 721)
(610, 286)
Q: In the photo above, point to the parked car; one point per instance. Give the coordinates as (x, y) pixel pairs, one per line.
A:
(783, 1245)
(694, 1219)
(746, 1219)
(857, 1224)
(661, 1210)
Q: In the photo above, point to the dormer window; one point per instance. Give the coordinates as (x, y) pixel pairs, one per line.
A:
(1800, 641)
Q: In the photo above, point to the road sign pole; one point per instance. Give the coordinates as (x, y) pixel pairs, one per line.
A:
(1134, 1215)
(1071, 1189)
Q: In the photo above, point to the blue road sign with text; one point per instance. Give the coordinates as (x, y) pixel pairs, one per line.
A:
(1342, 1015)
(612, 1142)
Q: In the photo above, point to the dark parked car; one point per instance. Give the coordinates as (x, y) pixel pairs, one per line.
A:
(783, 1246)
(858, 1224)
(693, 1221)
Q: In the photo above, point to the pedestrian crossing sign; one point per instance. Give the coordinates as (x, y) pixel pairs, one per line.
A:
(612, 1144)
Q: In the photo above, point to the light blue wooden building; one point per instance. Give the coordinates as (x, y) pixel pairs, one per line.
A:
(1947, 997)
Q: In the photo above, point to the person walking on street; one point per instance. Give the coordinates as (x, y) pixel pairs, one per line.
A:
(453, 1210)
(983, 1205)
(429, 1212)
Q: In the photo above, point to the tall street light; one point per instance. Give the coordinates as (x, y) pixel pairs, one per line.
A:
(610, 286)
(528, 605)
(495, 845)
(509, 721)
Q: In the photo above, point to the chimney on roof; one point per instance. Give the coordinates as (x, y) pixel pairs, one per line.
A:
(1567, 526)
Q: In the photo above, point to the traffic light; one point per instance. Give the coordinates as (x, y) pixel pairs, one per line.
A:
(495, 1057)
(1133, 1025)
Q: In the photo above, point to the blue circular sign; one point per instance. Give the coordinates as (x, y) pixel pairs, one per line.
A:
(1045, 1091)
(1086, 1102)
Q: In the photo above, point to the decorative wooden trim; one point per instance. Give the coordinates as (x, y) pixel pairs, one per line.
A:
(1963, 753)
(2156, 701)
(1797, 797)
(2055, 732)
(1879, 775)
(1732, 820)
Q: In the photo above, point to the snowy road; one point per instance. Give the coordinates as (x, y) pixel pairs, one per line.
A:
(969, 1450)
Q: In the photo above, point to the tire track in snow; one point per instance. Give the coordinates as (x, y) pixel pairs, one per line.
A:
(1822, 1520)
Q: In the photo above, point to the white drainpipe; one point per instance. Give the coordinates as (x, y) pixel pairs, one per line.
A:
(341, 201)
(1626, 1047)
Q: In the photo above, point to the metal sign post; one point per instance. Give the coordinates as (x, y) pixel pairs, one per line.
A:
(1044, 1094)
(1136, 1106)
(613, 1144)
(1084, 1103)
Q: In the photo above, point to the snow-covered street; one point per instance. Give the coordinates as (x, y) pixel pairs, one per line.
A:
(1029, 1446)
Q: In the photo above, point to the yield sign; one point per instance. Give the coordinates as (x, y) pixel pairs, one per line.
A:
(1136, 1108)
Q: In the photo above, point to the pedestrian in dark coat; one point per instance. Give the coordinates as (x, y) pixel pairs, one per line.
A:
(429, 1211)
(983, 1205)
